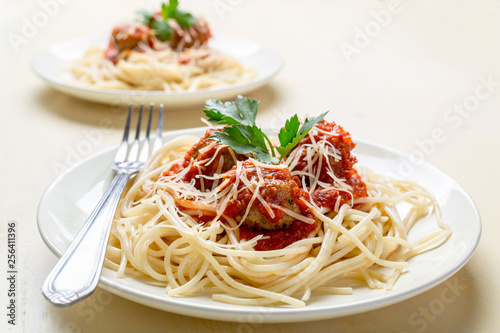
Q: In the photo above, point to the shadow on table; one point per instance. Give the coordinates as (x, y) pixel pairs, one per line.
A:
(112, 116)
(445, 308)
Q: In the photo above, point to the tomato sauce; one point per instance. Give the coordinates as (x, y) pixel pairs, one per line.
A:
(279, 189)
(126, 38)
(197, 158)
(274, 181)
(278, 239)
(329, 198)
(268, 192)
(341, 140)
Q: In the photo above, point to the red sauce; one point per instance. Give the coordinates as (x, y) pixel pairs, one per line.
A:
(236, 206)
(274, 179)
(267, 192)
(278, 239)
(111, 53)
(342, 141)
(125, 38)
(329, 198)
(197, 154)
(196, 35)
(203, 219)
(277, 181)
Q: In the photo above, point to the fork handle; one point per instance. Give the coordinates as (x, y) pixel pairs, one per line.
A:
(76, 274)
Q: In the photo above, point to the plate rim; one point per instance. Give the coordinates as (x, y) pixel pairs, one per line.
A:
(258, 81)
(275, 314)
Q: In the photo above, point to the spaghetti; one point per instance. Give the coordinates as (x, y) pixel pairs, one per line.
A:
(164, 70)
(178, 224)
(166, 51)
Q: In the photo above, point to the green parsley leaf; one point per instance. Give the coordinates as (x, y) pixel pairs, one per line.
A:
(245, 140)
(248, 109)
(162, 29)
(310, 123)
(243, 111)
(222, 113)
(244, 137)
(254, 135)
(291, 135)
(264, 157)
(287, 134)
(145, 16)
(233, 138)
(184, 19)
(170, 11)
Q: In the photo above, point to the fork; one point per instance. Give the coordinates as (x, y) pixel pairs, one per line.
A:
(76, 274)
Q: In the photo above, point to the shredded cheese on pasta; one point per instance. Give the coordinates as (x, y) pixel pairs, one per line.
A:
(152, 236)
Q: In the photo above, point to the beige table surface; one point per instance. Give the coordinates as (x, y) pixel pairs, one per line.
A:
(419, 64)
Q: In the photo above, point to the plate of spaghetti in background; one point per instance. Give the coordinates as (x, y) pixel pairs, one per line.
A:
(294, 224)
(168, 57)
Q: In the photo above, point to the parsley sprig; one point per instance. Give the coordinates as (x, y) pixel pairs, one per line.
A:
(245, 137)
(169, 11)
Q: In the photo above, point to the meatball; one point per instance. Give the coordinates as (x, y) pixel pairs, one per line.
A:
(207, 158)
(339, 161)
(279, 191)
(331, 136)
(127, 37)
(195, 36)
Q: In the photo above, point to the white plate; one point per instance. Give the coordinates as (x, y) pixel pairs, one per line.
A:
(70, 199)
(49, 65)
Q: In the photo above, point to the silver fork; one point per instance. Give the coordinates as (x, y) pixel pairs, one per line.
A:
(76, 274)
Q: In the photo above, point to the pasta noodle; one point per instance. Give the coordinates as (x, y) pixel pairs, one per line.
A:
(154, 234)
(163, 50)
(160, 70)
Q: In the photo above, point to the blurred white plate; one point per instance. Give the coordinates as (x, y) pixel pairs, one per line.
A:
(70, 199)
(49, 65)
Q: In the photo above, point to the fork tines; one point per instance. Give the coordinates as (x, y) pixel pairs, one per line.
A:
(134, 151)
